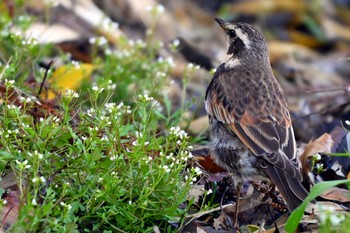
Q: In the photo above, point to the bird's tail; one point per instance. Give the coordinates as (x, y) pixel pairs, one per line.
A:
(292, 191)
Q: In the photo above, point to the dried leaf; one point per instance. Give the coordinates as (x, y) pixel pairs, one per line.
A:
(281, 50)
(54, 33)
(268, 6)
(337, 194)
(304, 39)
(69, 77)
(334, 29)
(9, 212)
(196, 192)
(199, 125)
(322, 144)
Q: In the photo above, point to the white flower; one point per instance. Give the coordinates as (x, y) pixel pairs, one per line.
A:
(317, 156)
(9, 83)
(76, 64)
(197, 170)
(102, 41)
(175, 43)
(176, 131)
(97, 89)
(71, 94)
(145, 97)
(160, 8)
(135, 143)
(23, 164)
(210, 191)
(112, 86)
(319, 166)
(34, 202)
(336, 219)
(138, 134)
(92, 40)
(105, 138)
(140, 43)
(166, 168)
(42, 179)
(170, 61)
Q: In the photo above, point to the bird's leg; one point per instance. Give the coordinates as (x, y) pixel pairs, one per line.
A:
(238, 188)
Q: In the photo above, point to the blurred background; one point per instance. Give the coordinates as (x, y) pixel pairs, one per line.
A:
(309, 43)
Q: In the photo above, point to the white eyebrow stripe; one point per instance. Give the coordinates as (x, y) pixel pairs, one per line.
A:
(243, 36)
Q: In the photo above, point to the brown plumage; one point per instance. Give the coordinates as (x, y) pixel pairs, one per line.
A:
(251, 128)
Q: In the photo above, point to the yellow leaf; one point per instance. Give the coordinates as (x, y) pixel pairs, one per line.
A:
(68, 77)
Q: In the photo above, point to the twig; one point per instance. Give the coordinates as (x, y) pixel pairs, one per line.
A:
(199, 214)
(48, 66)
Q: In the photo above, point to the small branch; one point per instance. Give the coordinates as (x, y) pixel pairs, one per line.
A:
(48, 67)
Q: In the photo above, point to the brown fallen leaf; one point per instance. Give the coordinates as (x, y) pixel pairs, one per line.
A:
(281, 50)
(322, 144)
(337, 194)
(54, 33)
(335, 30)
(9, 212)
(204, 159)
(199, 125)
(268, 6)
(304, 39)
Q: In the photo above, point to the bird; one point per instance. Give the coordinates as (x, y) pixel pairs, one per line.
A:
(250, 125)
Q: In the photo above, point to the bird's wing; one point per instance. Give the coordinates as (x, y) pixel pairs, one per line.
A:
(260, 120)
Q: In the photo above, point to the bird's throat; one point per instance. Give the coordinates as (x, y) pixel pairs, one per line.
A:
(232, 62)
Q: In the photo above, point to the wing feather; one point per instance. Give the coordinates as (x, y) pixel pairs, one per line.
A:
(265, 132)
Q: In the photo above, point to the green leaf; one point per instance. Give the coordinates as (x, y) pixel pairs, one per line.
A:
(340, 154)
(316, 190)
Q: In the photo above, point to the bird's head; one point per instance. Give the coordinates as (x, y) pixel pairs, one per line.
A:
(244, 41)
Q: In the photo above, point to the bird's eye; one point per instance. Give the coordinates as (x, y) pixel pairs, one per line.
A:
(231, 33)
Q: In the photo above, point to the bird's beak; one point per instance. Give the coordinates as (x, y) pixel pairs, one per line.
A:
(222, 23)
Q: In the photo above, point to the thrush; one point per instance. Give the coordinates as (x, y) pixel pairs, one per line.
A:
(251, 128)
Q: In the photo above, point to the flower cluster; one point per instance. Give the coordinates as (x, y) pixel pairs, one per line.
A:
(328, 213)
(71, 94)
(139, 139)
(99, 41)
(68, 206)
(121, 108)
(138, 43)
(39, 179)
(178, 133)
(169, 61)
(155, 10)
(36, 154)
(108, 24)
(145, 97)
(111, 86)
(23, 165)
(97, 89)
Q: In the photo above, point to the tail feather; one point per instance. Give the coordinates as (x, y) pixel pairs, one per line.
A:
(292, 191)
